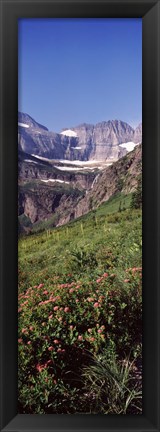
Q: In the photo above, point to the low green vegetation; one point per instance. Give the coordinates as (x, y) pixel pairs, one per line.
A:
(80, 314)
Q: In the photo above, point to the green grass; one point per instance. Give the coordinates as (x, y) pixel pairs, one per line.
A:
(98, 233)
(79, 298)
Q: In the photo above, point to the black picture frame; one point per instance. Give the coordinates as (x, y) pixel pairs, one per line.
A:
(150, 13)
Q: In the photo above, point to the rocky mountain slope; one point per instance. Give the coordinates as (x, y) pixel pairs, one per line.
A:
(84, 142)
(121, 177)
(45, 192)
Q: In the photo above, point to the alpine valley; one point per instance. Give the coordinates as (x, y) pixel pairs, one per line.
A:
(80, 269)
(63, 176)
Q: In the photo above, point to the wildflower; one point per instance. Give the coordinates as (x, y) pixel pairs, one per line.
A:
(89, 330)
(40, 285)
(71, 290)
(39, 367)
(98, 280)
(56, 341)
(55, 381)
(50, 348)
(24, 330)
(43, 324)
(96, 305)
(105, 274)
(92, 339)
(126, 280)
(55, 308)
(66, 309)
(50, 317)
(71, 327)
(45, 292)
(29, 343)
(59, 350)
(20, 340)
(80, 338)
(90, 299)
(100, 331)
(77, 301)
(31, 328)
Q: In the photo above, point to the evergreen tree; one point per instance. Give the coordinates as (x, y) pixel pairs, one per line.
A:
(137, 195)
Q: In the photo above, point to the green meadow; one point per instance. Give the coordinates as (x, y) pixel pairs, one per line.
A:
(80, 313)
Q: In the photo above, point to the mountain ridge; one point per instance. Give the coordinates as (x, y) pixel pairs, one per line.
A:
(99, 142)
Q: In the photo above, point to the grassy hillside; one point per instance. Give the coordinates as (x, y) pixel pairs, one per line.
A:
(80, 314)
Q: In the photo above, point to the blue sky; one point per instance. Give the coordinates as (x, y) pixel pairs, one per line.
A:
(73, 71)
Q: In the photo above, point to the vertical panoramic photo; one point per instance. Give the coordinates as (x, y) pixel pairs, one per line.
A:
(80, 216)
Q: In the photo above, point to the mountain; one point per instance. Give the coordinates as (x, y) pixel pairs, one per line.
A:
(137, 137)
(119, 178)
(102, 140)
(46, 193)
(84, 142)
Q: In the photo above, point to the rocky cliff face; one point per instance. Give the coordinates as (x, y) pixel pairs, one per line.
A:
(84, 142)
(102, 140)
(122, 176)
(44, 192)
(137, 137)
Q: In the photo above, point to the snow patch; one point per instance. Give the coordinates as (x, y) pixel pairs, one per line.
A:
(76, 148)
(55, 180)
(69, 132)
(23, 125)
(29, 160)
(128, 145)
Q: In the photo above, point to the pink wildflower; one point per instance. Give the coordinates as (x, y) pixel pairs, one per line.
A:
(56, 341)
(90, 299)
(20, 340)
(50, 316)
(89, 330)
(66, 309)
(39, 367)
(50, 348)
(55, 308)
(80, 338)
(40, 285)
(92, 339)
(96, 305)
